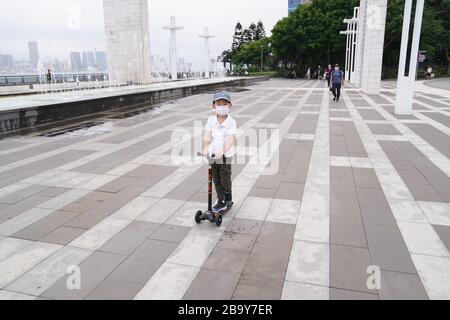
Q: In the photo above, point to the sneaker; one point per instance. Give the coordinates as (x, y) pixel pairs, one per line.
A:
(334, 99)
(228, 199)
(219, 207)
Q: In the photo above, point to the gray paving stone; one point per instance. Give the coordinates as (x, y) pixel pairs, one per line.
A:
(366, 178)
(263, 193)
(25, 171)
(20, 195)
(346, 227)
(348, 268)
(185, 191)
(237, 242)
(144, 262)
(117, 185)
(423, 192)
(401, 286)
(243, 226)
(291, 191)
(339, 294)
(130, 238)
(62, 235)
(277, 233)
(212, 285)
(44, 226)
(54, 191)
(170, 233)
(444, 234)
(112, 289)
(433, 136)
(12, 211)
(369, 197)
(384, 129)
(386, 245)
(150, 175)
(268, 182)
(262, 279)
(412, 177)
(93, 216)
(226, 260)
(94, 270)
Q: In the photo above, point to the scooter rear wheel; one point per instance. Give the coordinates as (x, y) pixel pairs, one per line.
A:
(198, 217)
(219, 221)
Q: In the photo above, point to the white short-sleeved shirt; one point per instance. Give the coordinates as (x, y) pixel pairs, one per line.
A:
(220, 133)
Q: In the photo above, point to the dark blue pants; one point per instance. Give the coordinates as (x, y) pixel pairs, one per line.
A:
(336, 90)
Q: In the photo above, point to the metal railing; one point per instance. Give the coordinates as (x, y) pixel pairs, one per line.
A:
(29, 79)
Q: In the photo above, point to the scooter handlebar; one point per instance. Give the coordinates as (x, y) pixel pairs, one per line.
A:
(201, 155)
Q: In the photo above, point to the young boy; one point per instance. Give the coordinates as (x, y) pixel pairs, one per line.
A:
(219, 140)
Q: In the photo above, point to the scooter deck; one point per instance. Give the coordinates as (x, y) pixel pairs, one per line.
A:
(224, 212)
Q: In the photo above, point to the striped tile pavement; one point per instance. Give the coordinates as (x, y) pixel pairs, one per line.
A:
(333, 200)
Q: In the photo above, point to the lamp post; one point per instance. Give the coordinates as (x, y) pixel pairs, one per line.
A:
(262, 47)
(262, 56)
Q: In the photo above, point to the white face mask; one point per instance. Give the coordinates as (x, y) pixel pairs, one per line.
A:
(223, 110)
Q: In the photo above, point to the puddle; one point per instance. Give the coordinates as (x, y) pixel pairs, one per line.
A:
(84, 130)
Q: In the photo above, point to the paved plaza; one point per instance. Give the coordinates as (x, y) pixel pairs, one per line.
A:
(359, 197)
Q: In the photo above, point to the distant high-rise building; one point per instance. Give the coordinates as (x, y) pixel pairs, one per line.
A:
(101, 61)
(88, 60)
(75, 61)
(91, 59)
(33, 50)
(293, 4)
(127, 40)
(6, 62)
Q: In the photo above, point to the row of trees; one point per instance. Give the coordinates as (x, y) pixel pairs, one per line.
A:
(311, 36)
(246, 46)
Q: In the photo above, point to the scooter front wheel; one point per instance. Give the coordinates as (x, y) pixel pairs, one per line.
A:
(198, 217)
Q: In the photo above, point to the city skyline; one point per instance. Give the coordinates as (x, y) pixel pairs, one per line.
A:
(77, 25)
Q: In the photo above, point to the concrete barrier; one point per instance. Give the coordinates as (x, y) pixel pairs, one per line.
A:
(17, 120)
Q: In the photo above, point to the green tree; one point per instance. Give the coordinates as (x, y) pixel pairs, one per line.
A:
(310, 35)
(237, 37)
(246, 36)
(250, 54)
(260, 31)
(252, 29)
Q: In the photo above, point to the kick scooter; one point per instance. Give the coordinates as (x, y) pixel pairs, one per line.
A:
(210, 215)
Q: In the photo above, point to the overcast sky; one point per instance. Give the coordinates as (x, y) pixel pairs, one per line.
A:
(51, 23)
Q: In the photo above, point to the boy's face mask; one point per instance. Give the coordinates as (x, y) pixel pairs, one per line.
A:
(222, 110)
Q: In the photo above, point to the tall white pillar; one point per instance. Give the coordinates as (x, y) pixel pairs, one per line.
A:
(173, 47)
(369, 56)
(127, 40)
(347, 52)
(352, 39)
(207, 66)
(405, 84)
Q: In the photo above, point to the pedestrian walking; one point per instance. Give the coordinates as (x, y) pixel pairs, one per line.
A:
(328, 72)
(337, 80)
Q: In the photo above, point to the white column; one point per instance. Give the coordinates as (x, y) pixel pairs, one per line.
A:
(347, 53)
(354, 45)
(127, 40)
(207, 66)
(371, 45)
(351, 48)
(173, 47)
(405, 84)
